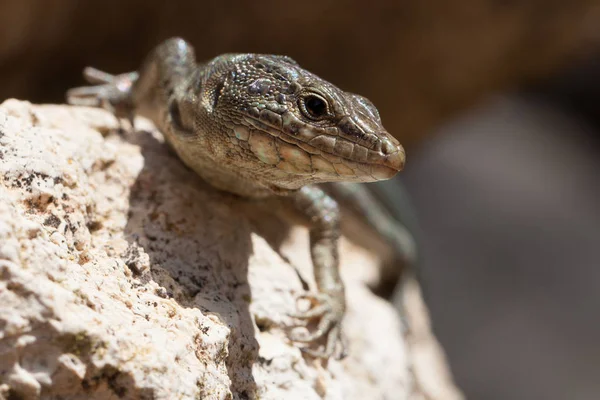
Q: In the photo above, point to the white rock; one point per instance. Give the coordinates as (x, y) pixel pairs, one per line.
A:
(123, 275)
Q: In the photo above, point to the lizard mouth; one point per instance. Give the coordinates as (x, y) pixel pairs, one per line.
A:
(327, 157)
(347, 167)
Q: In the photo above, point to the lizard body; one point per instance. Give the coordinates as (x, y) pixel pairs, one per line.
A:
(261, 126)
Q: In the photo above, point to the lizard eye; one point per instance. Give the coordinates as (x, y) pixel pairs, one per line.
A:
(314, 106)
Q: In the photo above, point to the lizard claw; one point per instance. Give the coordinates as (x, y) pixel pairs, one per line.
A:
(95, 76)
(321, 308)
(111, 92)
(330, 311)
(336, 346)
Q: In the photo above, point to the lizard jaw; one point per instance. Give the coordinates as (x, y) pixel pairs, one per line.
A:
(330, 157)
(297, 157)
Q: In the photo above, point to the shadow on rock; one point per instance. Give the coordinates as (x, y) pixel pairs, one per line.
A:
(198, 246)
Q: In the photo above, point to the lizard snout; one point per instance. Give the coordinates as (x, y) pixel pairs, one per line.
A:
(396, 159)
(394, 155)
(389, 159)
(388, 164)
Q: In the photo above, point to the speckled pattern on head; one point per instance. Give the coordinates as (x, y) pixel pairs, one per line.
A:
(300, 128)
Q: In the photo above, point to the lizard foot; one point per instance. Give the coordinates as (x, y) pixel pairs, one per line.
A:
(330, 311)
(111, 92)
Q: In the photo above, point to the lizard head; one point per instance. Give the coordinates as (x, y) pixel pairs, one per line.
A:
(300, 127)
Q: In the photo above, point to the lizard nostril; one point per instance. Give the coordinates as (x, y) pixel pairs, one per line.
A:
(390, 155)
(396, 159)
(388, 146)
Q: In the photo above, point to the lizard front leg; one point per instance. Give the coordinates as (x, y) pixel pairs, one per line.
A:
(323, 217)
(111, 92)
(148, 92)
(359, 200)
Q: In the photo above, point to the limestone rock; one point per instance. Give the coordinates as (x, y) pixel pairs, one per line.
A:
(124, 275)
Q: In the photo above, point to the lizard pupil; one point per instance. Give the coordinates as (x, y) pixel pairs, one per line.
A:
(315, 106)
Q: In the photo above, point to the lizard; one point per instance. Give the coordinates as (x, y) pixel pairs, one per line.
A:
(262, 127)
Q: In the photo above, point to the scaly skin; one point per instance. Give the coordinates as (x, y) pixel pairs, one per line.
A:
(258, 126)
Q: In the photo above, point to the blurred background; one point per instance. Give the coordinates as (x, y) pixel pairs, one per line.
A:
(497, 103)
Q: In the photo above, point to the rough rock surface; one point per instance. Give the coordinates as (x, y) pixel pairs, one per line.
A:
(123, 275)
